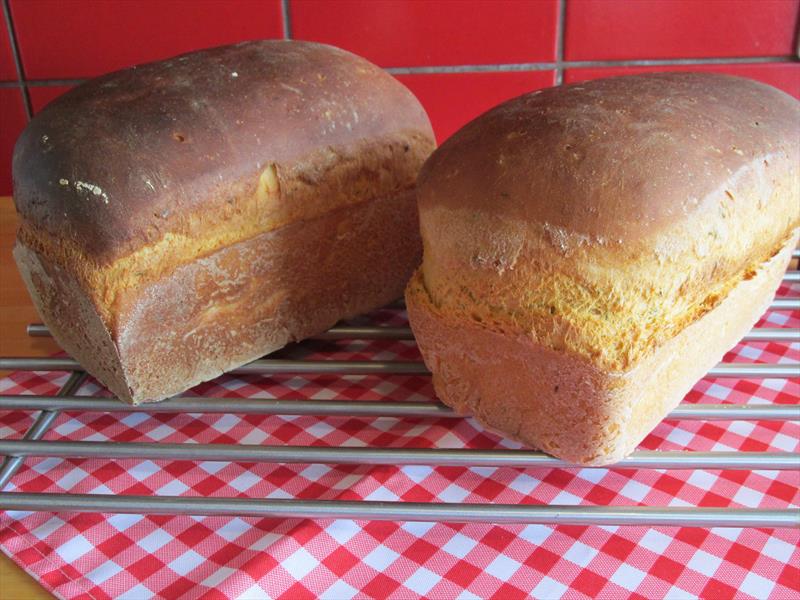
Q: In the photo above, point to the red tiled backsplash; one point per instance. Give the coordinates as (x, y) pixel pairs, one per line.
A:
(8, 72)
(459, 56)
(453, 99)
(417, 33)
(630, 29)
(12, 121)
(71, 39)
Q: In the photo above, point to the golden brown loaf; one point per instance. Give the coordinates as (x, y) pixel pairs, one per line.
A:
(183, 217)
(591, 250)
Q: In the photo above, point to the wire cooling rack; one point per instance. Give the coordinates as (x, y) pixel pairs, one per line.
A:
(33, 445)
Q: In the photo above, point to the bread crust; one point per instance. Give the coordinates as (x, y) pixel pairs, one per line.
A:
(563, 403)
(588, 227)
(613, 266)
(236, 304)
(216, 136)
(620, 159)
(184, 217)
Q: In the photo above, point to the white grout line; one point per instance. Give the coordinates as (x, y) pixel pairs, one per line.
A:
(287, 20)
(544, 66)
(507, 67)
(12, 35)
(51, 82)
(561, 28)
(797, 38)
(581, 64)
(651, 62)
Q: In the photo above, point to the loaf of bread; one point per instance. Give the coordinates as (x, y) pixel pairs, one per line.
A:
(184, 217)
(590, 251)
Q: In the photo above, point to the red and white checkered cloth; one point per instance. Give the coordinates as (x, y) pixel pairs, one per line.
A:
(137, 557)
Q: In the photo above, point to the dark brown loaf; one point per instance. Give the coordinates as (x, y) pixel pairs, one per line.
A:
(179, 145)
(591, 250)
(183, 217)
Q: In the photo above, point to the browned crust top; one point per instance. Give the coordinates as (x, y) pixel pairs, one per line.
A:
(616, 159)
(122, 160)
(604, 218)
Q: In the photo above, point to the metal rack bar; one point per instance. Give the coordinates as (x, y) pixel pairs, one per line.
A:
(390, 456)
(262, 367)
(785, 304)
(46, 418)
(762, 334)
(791, 277)
(252, 406)
(732, 412)
(272, 366)
(404, 511)
(340, 332)
(755, 371)
(777, 304)
(770, 334)
(30, 445)
(355, 408)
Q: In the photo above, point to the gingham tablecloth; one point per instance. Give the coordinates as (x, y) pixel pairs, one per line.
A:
(137, 557)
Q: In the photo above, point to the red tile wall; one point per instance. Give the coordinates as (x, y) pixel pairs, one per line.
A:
(460, 57)
(620, 29)
(453, 99)
(8, 71)
(407, 33)
(12, 122)
(82, 38)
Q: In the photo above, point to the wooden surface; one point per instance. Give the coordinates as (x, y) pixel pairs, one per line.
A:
(16, 311)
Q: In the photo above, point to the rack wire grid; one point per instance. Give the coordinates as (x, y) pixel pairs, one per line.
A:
(33, 445)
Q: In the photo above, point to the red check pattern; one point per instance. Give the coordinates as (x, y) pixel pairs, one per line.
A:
(102, 556)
